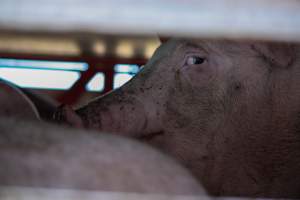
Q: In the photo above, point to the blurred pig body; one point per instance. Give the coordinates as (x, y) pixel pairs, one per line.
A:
(14, 102)
(43, 155)
(228, 110)
(24, 104)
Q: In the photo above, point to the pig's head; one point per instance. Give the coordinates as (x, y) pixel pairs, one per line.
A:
(229, 111)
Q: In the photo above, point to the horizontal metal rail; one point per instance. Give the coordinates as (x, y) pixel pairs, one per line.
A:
(255, 19)
(27, 193)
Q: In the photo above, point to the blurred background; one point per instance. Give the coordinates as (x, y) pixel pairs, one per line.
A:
(72, 69)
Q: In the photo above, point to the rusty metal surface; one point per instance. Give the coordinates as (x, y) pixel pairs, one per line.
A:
(256, 19)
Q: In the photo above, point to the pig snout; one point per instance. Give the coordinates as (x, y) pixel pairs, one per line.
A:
(126, 117)
(64, 114)
(112, 113)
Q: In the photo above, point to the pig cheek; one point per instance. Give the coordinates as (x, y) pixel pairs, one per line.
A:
(133, 119)
(106, 121)
(198, 76)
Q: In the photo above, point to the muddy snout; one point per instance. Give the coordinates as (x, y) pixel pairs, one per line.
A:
(64, 114)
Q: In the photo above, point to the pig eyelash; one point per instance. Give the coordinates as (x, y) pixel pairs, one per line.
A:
(194, 60)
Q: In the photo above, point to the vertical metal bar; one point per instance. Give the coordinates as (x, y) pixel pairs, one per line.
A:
(70, 97)
(109, 78)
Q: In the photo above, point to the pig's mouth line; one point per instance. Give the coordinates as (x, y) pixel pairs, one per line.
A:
(150, 136)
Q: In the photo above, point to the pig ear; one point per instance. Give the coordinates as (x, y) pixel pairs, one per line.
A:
(277, 54)
(163, 39)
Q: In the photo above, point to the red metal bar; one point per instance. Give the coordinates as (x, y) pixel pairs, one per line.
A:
(71, 96)
(109, 78)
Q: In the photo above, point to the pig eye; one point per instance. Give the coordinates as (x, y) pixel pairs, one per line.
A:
(195, 60)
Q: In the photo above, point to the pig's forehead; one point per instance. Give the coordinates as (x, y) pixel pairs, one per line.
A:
(210, 45)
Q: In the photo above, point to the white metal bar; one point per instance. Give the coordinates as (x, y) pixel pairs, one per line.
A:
(258, 19)
(23, 193)
(28, 193)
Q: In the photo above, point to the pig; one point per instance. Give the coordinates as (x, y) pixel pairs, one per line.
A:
(228, 110)
(45, 105)
(42, 155)
(14, 102)
(25, 104)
